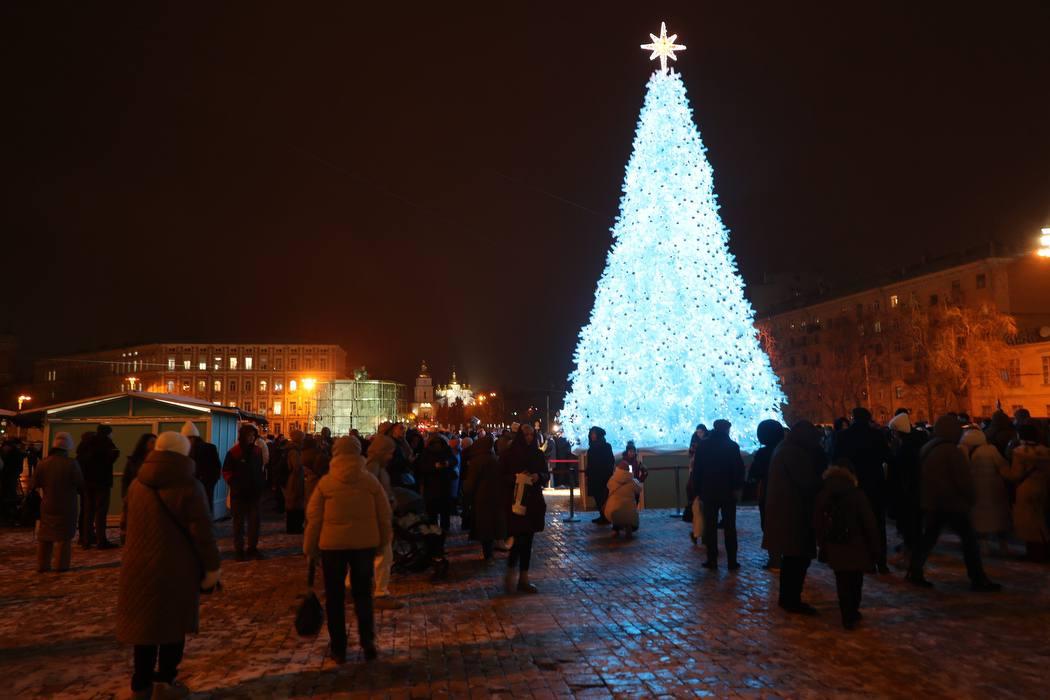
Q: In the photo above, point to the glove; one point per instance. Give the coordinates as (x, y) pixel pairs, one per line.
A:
(210, 581)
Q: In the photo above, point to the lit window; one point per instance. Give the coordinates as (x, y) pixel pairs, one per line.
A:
(186, 364)
(202, 365)
(278, 387)
(878, 326)
(185, 386)
(292, 385)
(201, 385)
(233, 363)
(171, 363)
(894, 301)
(247, 363)
(216, 364)
(171, 386)
(277, 409)
(217, 386)
(262, 386)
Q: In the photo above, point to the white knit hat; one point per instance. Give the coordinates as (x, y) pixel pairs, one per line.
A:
(63, 441)
(189, 429)
(170, 441)
(901, 423)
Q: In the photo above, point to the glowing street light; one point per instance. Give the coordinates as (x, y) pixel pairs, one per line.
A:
(309, 383)
(1044, 243)
(131, 383)
(22, 398)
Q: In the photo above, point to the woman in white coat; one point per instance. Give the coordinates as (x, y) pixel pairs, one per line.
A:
(991, 510)
(621, 508)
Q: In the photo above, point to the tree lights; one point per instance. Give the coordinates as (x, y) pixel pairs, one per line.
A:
(671, 339)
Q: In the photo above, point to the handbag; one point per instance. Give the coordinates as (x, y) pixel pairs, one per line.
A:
(698, 519)
(309, 615)
(189, 540)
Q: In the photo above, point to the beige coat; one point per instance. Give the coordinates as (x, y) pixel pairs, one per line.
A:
(1030, 470)
(60, 479)
(158, 598)
(621, 508)
(348, 510)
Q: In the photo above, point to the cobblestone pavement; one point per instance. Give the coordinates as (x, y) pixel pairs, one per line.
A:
(614, 618)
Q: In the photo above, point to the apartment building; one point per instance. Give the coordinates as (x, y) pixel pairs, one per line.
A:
(278, 381)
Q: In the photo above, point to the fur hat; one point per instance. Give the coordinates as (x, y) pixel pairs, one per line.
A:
(170, 441)
(63, 441)
(901, 423)
(190, 430)
(514, 427)
(348, 445)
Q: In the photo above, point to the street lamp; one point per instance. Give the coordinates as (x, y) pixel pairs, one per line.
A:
(131, 383)
(1044, 243)
(309, 383)
(22, 398)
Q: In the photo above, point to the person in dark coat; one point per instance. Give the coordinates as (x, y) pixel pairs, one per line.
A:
(170, 558)
(436, 470)
(96, 455)
(11, 458)
(718, 477)
(243, 471)
(1000, 432)
(60, 480)
(948, 495)
(794, 480)
(866, 449)
(523, 457)
(206, 464)
(902, 480)
(600, 465)
(770, 434)
(132, 465)
(848, 537)
(484, 488)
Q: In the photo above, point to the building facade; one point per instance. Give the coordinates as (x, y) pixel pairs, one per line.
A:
(278, 381)
(423, 395)
(448, 394)
(836, 352)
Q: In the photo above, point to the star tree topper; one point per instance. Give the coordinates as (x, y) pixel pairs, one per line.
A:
(663, 47)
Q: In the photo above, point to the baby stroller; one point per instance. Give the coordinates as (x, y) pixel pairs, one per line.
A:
(419, 542)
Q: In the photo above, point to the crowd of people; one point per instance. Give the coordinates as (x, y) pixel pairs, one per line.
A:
(825, 494)
(830, 494)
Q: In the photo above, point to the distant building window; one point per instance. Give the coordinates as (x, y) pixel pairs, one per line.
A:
(278, 387)
(878, 326)
(956, 287)
(247, 363)
(262, 386)
(186, 365)
(233, 386)
(1012, 373)
(277, 363)
(876, 305)
(982, 281)
(171, 363)
(233, 363)
(860, 329)
(264, 362)
(217, 386)
(1046, 370)
(170, 386)
(185, 386)
(933, 300)
(324, 363)
(202, 365)
(216, 364)
(292, 385)
(898, 391)
(894, 301)
(52, 375)
(247, 386)
(247, 405)
(291, 407)
(293, 364)
(277, 412)
(201, 385)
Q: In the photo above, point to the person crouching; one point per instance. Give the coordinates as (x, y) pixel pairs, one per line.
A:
(848, 537)
(621, 506)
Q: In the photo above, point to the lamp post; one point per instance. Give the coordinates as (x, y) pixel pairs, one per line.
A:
(309, 383)
(22, 398)
(1044, 243)
(131, 383)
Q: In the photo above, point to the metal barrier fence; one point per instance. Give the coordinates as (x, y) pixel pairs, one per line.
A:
(573, 470)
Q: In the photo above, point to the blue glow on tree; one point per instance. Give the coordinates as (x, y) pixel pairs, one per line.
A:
(671, 340)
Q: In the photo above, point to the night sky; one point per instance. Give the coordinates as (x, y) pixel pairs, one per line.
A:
(440, 183)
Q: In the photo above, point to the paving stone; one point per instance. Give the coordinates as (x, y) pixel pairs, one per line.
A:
(614, 618)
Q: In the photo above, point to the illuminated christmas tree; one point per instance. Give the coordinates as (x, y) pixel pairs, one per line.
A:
(671, 340)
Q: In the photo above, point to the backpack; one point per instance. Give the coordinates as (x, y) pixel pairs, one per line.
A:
(835, 521)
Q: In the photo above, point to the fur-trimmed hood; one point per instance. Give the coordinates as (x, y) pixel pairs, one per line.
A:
(837, 472)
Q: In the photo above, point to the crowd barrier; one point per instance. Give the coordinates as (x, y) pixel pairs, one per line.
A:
(574, 468)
